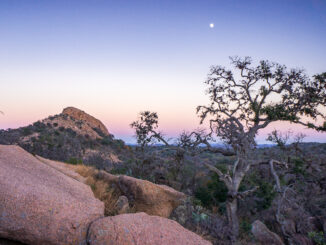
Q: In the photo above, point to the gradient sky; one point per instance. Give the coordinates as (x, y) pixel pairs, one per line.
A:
(114, 59)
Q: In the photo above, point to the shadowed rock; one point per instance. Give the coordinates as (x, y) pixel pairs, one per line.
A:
(264, 236)
(122, 205)
(145, 196)
(40, 205)
(141, 229)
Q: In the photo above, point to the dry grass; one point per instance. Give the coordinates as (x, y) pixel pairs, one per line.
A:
(102, 190)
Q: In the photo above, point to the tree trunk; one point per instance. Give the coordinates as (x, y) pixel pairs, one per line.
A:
(232, 209)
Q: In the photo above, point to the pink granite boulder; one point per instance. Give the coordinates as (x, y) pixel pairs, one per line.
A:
(141, 229)
(40, 205)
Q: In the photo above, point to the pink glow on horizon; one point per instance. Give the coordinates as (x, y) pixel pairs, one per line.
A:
(117, 120)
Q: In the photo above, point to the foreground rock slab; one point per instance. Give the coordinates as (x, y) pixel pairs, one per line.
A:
(146, 196)
(40, 205)
(141, 229)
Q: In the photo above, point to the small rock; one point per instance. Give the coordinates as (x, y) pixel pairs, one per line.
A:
(122, 205)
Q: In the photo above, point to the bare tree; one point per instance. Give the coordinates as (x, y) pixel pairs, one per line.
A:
(247, 99)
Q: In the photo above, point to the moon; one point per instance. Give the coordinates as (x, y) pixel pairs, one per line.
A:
(211, 25)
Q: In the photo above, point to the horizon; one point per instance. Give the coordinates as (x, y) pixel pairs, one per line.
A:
(113, 59)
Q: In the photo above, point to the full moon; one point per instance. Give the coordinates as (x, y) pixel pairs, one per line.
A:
(211, 25)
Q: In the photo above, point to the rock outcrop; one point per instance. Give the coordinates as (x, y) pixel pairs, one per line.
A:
(71, 136)
(40, 205)
(45, 202)
(263, 235)
(83, 116)
(141, 229)
(146, 196)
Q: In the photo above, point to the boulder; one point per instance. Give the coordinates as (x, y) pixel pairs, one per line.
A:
(65, 168)
(41, 205)
(141, 229)
(83, 116)
(263, 235)
(146, 196)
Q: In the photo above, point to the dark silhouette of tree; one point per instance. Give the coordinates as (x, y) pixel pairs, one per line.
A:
(146, 129)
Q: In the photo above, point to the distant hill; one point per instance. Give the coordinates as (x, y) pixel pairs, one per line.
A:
(72, 136)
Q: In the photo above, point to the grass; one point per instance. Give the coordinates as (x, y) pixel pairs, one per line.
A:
(101, 189)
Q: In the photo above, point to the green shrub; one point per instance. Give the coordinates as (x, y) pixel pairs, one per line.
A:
(245, 226)
(27, 131)
(298, 166)
(213, 193)
(118, 171)
(318, 237)
(106, 141)
(265, 192)
(204, 196)
(75, 161)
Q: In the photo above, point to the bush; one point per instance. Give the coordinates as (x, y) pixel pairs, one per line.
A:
(27, 131)
(298, 166)
(318, 237)
(265, 192)
(74, 161)
(245, 226)
(106, 141)
(213, 193)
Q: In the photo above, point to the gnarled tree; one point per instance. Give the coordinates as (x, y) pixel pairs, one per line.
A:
(247, 99)
(242, 102)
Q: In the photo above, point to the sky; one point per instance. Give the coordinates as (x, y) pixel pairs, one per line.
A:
(114, 59)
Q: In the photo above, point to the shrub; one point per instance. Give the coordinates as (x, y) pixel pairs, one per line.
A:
(318, 237)
(101, 189)
(75, 161)
(245, 226)
(120, 170)
(298, 166)
(27, 131)
(265, 192)
(106, 141)
(213, 193)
